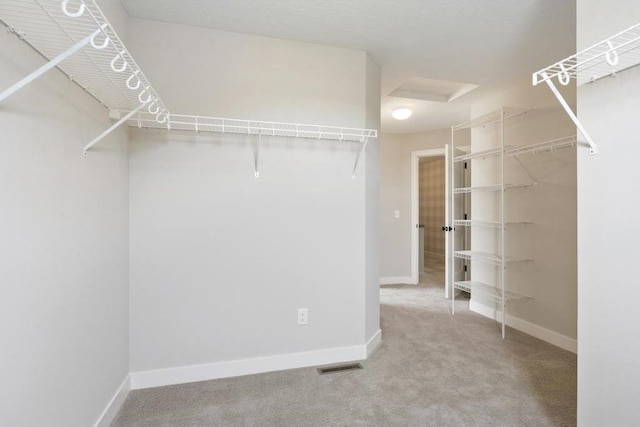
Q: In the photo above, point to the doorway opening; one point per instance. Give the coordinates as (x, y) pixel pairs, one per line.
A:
(431, 218)
(428, 199)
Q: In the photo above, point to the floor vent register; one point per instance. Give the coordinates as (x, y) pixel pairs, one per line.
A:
(340, 368)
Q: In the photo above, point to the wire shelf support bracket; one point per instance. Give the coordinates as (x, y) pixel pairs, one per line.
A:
(113, 127)
(604, 59)
(48, 66)
(363, 147)
(593, 148)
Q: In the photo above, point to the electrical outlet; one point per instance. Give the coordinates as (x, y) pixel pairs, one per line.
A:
(303, 316)
(396, 214)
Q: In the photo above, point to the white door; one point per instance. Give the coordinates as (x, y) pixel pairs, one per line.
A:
(454, 205)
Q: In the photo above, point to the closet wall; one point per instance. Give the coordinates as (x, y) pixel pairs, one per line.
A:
(551, 207)
(63, 248)
(220, 260)
(608, 188)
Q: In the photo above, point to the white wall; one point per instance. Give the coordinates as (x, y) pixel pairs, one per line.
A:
(220, 260)
(551, 207)
(372, 207)
(395, 194)
(63, 249)
(608, 188)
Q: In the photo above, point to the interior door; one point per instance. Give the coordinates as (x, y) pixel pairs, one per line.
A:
(454, 208)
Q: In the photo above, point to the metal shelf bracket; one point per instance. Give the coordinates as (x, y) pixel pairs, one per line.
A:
(49, 65)
(593, 148)
(99, 138)
(365, 140)
(256, 154)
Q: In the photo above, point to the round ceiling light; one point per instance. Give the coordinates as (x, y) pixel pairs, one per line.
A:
(401, 113)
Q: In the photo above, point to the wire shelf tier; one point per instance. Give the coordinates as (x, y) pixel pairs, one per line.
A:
(479, 256)
(485, 188)
(479, 288)
(489, 118)
(486, 224)
(542, 147)
(469, 223)
(105, 69)
(485, 154)
(180, 122)
(610, 56)
(537, 148)
(486, 257)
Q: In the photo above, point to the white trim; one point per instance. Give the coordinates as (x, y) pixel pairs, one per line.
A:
(374, 342)
(109, 413)
(234, 368)
(399, 280)
(415, 206)
(529, 328)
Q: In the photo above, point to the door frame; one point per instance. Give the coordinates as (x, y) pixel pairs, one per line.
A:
(415, 205)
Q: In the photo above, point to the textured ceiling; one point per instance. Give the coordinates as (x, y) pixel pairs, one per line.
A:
(491, 43)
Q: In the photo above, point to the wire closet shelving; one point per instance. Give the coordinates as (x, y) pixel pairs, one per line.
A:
(75, 37)
(604, 59)
(464, 279)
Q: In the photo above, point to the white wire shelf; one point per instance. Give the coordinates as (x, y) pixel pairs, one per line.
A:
(486, 257)
(489, 118)
(104, 68)
(543, 147)
(470, 223)
(479, 256)
(606, 58)
(188, 123)
(537, 148)
(485, 154)
(487, 224)
(479, 288)
(486, 188)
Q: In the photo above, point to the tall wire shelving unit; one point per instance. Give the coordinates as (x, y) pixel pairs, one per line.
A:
(496, 290)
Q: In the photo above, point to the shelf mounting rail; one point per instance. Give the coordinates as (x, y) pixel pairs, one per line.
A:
(606, 58)
(75, 37)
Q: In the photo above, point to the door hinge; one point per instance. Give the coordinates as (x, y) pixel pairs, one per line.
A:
(465, 268)
(465, 216)
(465, 165)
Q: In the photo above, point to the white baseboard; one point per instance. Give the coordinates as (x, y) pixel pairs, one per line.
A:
(115, 403)
(399, 280)
(374, 342)
(257, 365)
(529, 328)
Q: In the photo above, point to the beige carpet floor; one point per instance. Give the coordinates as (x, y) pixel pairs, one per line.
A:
(433, 369)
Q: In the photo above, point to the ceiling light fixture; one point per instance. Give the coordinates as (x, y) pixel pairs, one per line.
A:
(401, 113)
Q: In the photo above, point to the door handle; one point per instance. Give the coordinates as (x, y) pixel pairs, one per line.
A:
(447, 228)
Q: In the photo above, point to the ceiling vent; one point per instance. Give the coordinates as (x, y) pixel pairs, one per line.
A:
(432, 90)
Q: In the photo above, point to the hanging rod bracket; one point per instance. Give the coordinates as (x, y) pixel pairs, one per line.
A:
(49, 65)
(112, 128)
(359, 155)
(593, 148)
